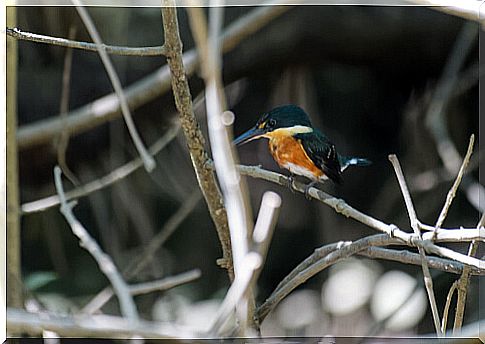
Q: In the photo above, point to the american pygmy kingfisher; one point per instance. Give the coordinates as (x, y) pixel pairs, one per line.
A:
(299, 147)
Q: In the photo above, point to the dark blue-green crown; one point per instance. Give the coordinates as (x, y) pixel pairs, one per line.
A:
(285, 116)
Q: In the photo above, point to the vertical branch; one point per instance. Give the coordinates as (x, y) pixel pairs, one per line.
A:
(463, 281)
(63, 139)
(193, 134)
(428, 281)
(446, 310)
(233, 188)
(452, 192)
(14, 288)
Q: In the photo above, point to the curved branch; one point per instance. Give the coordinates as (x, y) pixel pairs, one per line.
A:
(330, 254)
(316, 263)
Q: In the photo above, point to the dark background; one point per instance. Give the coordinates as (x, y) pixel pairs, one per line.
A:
(364, 74)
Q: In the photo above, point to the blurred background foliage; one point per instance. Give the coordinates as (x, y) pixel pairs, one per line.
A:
(364, 74)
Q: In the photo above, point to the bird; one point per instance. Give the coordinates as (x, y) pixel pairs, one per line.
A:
(299, 147)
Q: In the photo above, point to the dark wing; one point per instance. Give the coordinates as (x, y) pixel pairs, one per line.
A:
(323, 154)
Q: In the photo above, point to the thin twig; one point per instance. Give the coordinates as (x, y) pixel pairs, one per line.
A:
(144, 90)
(329, 254)
(148, 254)
(452, 192)
(106, 265)
(70, 43)
(407, 257)
(462, 283)
(261, 238)
(242, 282)
(428, 281)
(113, 177)
(148, 160)
(446, 310)
(93, 326)
(193, 134)
(266, 222)
(340, 206)
(436, 119)
(165, 283)
(63, 139)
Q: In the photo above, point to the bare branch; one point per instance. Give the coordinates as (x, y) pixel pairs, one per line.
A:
(144, 90)
(63, 139)
(9, 153)
(106, 265)
(328, 255)
(318, 261)
(94, 326)
(165, 283)
(240, 286)
(392, 231)
(69, 43)
(462, 283)
(407, 257)
(428, 281)
(452, 192)
(193, 135)
(114, 176)
(340, 206)
(266, 222)
(446, 310)
(148, 160)
(234, 190)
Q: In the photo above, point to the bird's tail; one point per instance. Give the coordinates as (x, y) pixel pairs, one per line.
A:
(346, 161)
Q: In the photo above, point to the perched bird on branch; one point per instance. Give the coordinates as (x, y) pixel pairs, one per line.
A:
(299, 147)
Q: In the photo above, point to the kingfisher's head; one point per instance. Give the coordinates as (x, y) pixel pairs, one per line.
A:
(282, 120)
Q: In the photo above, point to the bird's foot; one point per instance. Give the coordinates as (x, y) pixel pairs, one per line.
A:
(289, 184)
(307, 190)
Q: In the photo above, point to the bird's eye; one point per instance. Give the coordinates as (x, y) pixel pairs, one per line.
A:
(271, 123)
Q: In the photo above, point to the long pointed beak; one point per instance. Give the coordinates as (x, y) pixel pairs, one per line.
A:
(251, 134)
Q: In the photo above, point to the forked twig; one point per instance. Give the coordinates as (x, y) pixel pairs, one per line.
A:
(428, 281)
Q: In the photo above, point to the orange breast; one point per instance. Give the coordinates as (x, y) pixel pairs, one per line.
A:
(289, 153)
